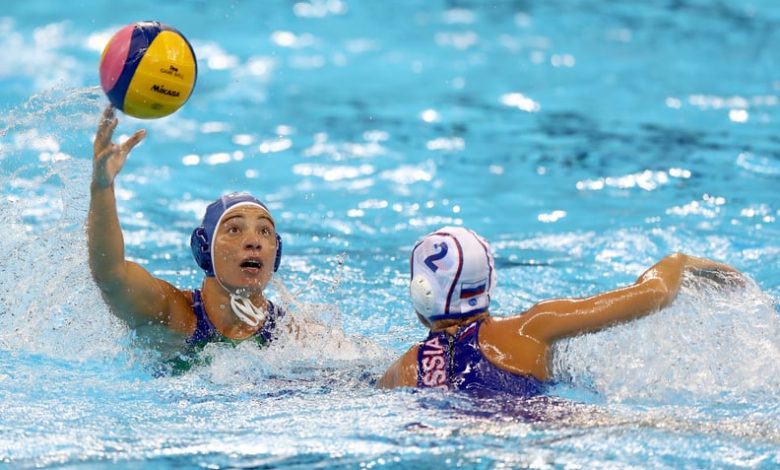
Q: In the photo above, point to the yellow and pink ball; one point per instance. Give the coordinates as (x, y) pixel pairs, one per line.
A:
(148, 70)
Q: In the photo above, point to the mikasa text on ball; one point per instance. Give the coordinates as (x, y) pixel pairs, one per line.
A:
(148, 70)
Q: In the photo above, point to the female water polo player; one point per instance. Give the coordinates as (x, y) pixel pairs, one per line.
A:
(236, 245)
(452, 275)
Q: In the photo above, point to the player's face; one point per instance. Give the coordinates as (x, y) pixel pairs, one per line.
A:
(245, 248)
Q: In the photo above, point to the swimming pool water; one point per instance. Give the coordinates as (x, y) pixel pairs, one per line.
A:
(584, 139)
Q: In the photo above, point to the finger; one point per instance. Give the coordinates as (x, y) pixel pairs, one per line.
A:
(106, 132)
(133, 140)
(105, 119)
(108, 113)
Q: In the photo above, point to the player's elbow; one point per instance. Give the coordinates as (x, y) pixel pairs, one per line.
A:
(661, 294)
(677, 257)
(108, 280)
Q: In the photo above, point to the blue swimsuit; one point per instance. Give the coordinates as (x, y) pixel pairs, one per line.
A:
(456, 363)
(205, 331)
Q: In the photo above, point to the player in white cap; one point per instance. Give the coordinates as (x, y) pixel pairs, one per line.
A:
(452, 276)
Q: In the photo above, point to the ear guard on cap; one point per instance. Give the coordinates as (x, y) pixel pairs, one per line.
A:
(201, 251)
(278, 259)
(424, 295)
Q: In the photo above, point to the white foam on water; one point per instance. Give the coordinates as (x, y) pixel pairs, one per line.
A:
(311, 348)
(712, 344)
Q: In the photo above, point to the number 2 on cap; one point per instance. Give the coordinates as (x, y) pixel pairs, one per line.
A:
(436, 256)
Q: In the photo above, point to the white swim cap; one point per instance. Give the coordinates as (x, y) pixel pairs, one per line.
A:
(452, 274)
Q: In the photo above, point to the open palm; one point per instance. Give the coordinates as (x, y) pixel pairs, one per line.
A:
(111, 157)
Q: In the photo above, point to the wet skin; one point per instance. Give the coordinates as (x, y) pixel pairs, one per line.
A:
(244, 253)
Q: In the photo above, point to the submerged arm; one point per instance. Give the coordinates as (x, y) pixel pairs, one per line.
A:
(132, 293)
(655, 289)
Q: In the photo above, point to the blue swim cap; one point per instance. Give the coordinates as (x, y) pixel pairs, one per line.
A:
(200, 241)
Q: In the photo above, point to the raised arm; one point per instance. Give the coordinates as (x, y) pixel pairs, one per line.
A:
(653, 290)
(132, 293)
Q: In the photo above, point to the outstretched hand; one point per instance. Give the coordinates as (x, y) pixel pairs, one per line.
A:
(110, 157)
(720, 273)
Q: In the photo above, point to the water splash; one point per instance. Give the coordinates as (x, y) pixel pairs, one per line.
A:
(312, 349)
(711, 344)
(56, 113)
(49, 304)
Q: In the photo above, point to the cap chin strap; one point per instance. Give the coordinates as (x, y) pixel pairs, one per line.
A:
(243, 308)
(246, 311)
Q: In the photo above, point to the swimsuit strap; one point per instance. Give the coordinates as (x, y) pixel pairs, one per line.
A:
(205, 329)
(465, 333)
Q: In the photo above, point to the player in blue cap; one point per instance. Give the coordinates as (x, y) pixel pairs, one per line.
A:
(452, 276)
(236, 245)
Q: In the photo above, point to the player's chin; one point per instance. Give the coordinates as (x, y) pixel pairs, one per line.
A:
(254, 280)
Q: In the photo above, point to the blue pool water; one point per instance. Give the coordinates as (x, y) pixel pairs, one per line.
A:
(585, 139)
